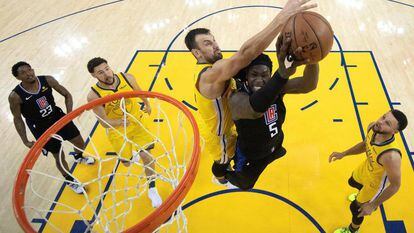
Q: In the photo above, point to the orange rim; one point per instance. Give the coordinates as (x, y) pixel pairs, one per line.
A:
(153, 220)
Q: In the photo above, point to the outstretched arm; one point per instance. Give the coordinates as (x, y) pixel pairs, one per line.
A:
(212, 81)
(243, 106)
(355, 150)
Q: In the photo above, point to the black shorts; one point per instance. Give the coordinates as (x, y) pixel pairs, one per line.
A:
(247, 171)
(68, 132)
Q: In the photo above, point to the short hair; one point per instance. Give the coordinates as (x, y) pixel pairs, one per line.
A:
(16, 66)
(94, 62)
(262, 59)
(190, 37)
(401, 118)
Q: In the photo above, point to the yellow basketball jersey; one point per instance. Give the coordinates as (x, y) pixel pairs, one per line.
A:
(113, 109)
(214, 113)
(371, 172)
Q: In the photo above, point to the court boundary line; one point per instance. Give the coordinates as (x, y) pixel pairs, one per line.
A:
(259, 191)
(401, 3)
(56, 19)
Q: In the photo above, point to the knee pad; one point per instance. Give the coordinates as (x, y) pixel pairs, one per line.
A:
(219, 170)
(354, 207)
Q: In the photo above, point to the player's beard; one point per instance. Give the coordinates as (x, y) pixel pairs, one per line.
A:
(376, 130)
(108, 82)
(214, 58)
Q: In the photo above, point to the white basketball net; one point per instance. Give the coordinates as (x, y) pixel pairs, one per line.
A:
(116, 195)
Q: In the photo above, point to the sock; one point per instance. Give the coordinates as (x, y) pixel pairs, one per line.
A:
(78, 155)
(69, 178)
(151, 184)
(222, 180)
(352, 229)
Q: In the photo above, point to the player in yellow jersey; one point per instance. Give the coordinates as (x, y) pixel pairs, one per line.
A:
(213, 77)
(379, 177)
(111, 117)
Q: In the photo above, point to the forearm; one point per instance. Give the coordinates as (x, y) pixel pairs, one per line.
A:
(261, 100)
(69, 103)
(386, 194)
(21, 129)
(258, 43)
(305, 84)
(357, 149)
(311, 77)
(145, 100)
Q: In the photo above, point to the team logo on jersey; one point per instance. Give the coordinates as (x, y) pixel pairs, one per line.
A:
(44, 88)
(271, 114)
(42, 102)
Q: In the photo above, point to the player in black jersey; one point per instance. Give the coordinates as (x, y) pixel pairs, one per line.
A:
(258, 112)
(33, 99)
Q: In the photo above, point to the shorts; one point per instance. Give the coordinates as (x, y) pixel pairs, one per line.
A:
(68, 132)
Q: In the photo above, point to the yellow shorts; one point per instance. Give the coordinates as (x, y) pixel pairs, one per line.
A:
(139, 139)
(220, 148)
(371, 189)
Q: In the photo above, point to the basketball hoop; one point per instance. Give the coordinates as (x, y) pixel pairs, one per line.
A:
(182, 157)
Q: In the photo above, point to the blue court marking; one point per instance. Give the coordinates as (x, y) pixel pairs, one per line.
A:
(334, 84)
(62, 17)
(259, 191)
(168, 83)
(395, 103)
(402, 3)
(338, 120)
(361, 103)
(309, 105)
(132, 60)
(189, 105)
(343, 64)
(351, 66)
(39, 220)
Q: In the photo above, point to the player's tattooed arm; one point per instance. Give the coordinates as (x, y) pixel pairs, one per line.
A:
(15, 101)
(136, 87)
(240, 107)
(61, 90)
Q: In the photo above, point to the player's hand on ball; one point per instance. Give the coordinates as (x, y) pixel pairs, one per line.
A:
(282, 48)
(29, 144)
(295, 6)
(336, 156)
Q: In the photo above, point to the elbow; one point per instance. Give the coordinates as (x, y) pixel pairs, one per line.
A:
(310, 88)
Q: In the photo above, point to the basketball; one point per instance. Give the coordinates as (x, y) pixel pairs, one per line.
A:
(312, 32)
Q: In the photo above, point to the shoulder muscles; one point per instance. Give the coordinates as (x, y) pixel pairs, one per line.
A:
(240, 107)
